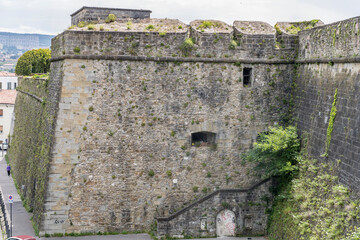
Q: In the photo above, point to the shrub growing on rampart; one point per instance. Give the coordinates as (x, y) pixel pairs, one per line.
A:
(276, 151)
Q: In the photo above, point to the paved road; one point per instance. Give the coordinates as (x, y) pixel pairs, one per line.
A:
(21, 218)
(22, 224)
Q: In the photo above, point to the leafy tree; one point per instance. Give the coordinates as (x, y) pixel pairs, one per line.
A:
(34, 61)
(276, 152)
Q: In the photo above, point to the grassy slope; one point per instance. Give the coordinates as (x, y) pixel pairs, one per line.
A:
(315, 207)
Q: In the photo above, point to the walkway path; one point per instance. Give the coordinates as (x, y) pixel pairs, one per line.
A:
(143, 237)
(21, 218)
(22, 224)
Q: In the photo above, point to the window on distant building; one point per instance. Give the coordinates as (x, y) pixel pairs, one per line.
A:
(14, 85)
(9, 85)
(1, 112)
(247, 77)
(1, 129)
(0, 85)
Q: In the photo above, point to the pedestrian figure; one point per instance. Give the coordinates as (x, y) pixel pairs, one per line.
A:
(8, 168)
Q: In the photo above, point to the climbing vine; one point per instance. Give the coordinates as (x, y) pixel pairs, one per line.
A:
(331, 125)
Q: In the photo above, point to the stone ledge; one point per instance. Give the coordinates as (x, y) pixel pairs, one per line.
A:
(172, 59)
(330, 60)
(207, 60)
(31, 95)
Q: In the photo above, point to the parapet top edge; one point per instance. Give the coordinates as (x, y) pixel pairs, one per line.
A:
(105, 8)
(268, 30)
(330, 24)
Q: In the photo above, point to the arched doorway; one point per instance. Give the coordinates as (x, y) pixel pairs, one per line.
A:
(225, 223)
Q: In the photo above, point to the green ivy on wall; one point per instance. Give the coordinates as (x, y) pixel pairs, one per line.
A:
(331, 125)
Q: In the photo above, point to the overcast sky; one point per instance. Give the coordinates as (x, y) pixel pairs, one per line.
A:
(53, 16)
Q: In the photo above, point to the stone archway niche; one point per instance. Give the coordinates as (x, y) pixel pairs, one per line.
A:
(225, 223)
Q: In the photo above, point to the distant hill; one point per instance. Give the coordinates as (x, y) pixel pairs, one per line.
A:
(25, 40)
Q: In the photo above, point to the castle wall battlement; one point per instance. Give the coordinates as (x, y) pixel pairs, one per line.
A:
(96, 14)
(338, 47)
(133, 104)
(336, 40)
(165, 38)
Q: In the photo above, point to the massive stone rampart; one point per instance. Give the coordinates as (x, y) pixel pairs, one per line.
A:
(32, 140)
(150, 115)
(336, 47)
(130, 102)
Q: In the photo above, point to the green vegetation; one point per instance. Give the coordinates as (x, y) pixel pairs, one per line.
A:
(293, 29)
(331, 124)
(275, 153)
(150, 27)
(110, 18)
(76, 50)
(233, 44)
(129, 25)
(299, 26)
(278, 30)
(151, 173)
(209, 24)
(81, 24)
(91, 27)
(30, 163)
(34, 61)
(309, 202)
(187, 46)
(314, 206)
(205, 24)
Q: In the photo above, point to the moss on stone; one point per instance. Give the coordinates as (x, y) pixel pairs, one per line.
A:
(331, 124)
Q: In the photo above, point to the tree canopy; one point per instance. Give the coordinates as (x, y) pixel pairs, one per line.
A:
(276, 152)
(34, 61)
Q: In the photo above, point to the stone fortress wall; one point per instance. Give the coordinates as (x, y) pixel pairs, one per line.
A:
(335, 48)
(141, 100)
(132, 95)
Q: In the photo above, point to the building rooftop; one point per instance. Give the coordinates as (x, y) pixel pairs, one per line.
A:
(7, 96)
(7, 74)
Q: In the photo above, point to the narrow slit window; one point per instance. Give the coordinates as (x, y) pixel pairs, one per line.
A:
(247, 77)
(1, 112)
(202, 139)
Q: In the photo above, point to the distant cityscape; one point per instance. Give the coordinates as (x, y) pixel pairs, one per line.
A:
(13, 45)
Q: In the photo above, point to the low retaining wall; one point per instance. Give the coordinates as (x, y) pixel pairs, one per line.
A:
(199, 219)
